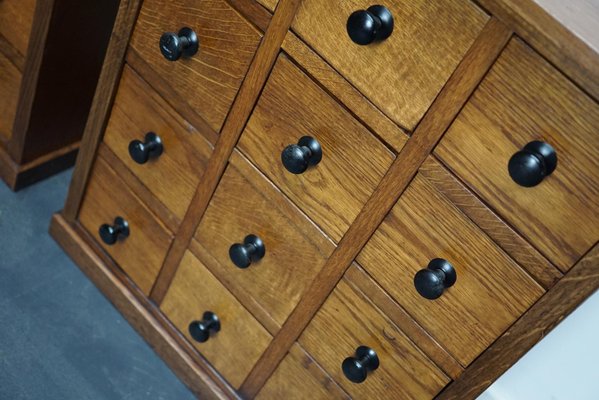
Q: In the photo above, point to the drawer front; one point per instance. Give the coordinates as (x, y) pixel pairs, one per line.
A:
(141, 253)
(403, 73)
(348, 320)
(171, 165)
(491, 290)
(299, 377)
(524, 99)
(10, 83)
(16, 18)
(210, 79)
(245, 203)
(333, 191)
(236, 345)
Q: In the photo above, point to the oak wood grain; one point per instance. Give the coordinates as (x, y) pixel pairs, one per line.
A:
(460, 86)
(12, 53)
(173, 176)
(143, 315)
(510, 241)
(101, 104)
(333, 192)
(339, 88)
(491, 291)
(363, 283)
(524, 99)
(253, 12)
(299, 377)
(10, 83)
(404, 73)
(578, 284)
(16, 19)
(141, 254)
(234, 124)
(240, 342)
(269, 4)
(244, 203)
(209, 80)
(348, 320)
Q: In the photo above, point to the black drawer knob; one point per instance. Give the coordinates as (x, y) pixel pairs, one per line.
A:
(151, 147)
(174, 45)
(111, 233)
(356, 368)
(371, 25)
(200, 330)
(432, 281)
(250, 251)
(298, 157)
(532, 164)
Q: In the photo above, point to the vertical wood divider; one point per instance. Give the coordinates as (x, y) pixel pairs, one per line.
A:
(445, 108)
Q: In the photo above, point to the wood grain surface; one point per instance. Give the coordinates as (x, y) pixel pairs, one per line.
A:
(240, 342)
(141, 254)
(524, 99)
(509, 240)
(447, 105)
(491, 291)
(240, 112)
(348, 320)
(578, 284)
(244, 203)
(333, 192)
(174, 176)
(10, 83)
(209, 80)
(269, 4)
(403, 74)
(16, 19)
(299, 377)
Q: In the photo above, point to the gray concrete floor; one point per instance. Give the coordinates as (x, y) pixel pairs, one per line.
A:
(59, 337)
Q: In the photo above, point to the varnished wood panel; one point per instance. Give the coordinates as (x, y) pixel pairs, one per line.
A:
(491, 291)
(241, 340)
(16, 18)
(578, 284)
(333, 192)
(403, 74)
(209, 80)
(246, 203)
(299, 377)
(10, 83)
(141, 254)
(522, 99)
(172, 177)
(348, 320)
(269, 4)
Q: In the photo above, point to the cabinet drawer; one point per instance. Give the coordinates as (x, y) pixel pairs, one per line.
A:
(235, 347)
(403, 73)
(171, 174)
(491, 290)
(10, 83)
(141, 253)
(16, 18)
(348, 320)
(353, 162)
(524, 99)
(210, 79)
(299, 377)
(245, 203)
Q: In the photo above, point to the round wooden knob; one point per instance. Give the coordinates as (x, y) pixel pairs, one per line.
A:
(532, 164)
(251, 250)
(432, 281)
(356, 368)
(176, 45)
(371, 25)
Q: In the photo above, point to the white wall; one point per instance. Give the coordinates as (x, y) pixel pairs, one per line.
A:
(563, 366)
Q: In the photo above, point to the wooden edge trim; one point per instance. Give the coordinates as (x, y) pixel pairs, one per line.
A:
(363, 282)
(253, 12)
(344, 92)
(141, 314)
(100, 109)
(462, 83)
(529, 258)
(42, 17)
(250, 89)
(579, 283)
(551, 39)
(12, 53)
